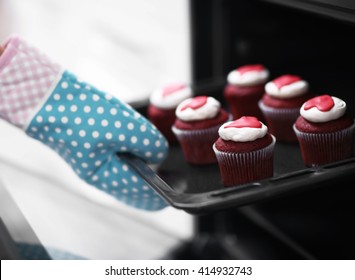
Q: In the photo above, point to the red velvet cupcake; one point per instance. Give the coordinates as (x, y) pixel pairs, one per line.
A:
(162, 106)
(324, 130)
(196, 128)
(245, 151)
(281, 105)
(244, 89)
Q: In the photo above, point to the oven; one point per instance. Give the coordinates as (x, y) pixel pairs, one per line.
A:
(311, 38)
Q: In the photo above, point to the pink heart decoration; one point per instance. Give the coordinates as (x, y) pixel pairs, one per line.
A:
(245, 122)
(285, 80)
(252, 67)
(195, 103)
(323, 103)
(169, 89)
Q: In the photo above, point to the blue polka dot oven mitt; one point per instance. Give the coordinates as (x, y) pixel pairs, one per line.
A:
(85, 126)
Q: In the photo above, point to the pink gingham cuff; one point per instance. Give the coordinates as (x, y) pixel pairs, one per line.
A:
(27, 77)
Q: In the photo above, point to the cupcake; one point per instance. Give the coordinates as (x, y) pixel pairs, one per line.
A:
(196, 128)
(281, 105)
(324, 130)
(162, 106)
(245, 151)
(244, 89)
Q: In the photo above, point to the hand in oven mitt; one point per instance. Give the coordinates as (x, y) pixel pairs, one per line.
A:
(85, 126)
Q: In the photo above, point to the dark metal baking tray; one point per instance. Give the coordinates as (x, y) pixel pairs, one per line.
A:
(199, 190)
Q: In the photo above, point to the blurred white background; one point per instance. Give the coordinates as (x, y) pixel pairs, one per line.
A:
(127, 48)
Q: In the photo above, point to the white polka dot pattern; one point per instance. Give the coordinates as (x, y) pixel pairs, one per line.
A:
(89, 129)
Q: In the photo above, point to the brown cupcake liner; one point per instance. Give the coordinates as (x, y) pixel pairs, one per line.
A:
(322, 148)
(241, 168)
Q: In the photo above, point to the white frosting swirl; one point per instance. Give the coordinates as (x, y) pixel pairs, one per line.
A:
(207, 111)
(288, 91)
(171, 100)
(249, 78)
(241, 134)
(317, 116)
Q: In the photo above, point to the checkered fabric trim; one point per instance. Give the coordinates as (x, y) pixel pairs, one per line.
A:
(26, 77)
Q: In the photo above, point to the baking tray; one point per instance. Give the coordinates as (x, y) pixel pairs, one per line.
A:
(199, 189)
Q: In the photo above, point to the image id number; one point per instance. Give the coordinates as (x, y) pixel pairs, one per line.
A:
(232, 270)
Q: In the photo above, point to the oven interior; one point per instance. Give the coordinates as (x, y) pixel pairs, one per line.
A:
(298, 39)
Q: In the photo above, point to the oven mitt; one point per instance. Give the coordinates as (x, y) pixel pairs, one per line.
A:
(88, 128)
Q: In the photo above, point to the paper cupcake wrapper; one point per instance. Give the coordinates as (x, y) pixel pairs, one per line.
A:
(245, 105)
(280, 121)
(164, 126)
(323, 148)
(241, 168)
(277, 112)
(207, 134)
(198, 133)
(197, 144)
